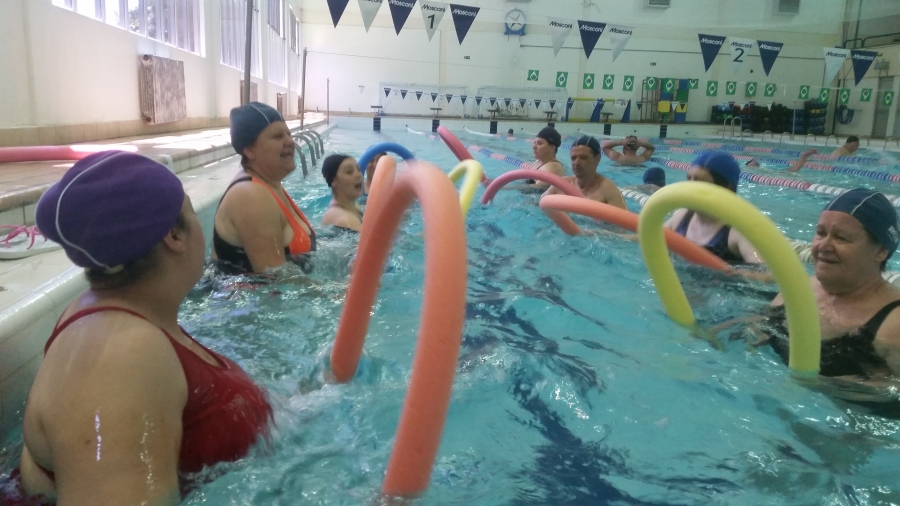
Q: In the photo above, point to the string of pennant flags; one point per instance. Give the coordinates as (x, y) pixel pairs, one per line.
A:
(619, 35)
(668, 85)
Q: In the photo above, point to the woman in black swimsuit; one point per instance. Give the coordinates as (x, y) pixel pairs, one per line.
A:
(342, 174)
(856, 234)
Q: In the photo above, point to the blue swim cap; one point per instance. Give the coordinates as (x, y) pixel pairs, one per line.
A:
(655, 175)
(873, 210)
(248, 121)
(720, 163)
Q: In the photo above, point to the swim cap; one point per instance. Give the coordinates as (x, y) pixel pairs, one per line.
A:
(110, 209)
(248, 121)
(720, 163)
(330, 167)
(550, 135)
(873, 210)
(590, 142)
(655, 175)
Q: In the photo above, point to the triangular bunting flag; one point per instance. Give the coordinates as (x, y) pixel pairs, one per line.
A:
(369, 8)
(434, 97)
(559, 32)
(768, 53)
(537, 102)
(418, 95)
(590, 34)
(493, 101)
(507, 101)
(463, 17)
(619, 35)
(400, 10)
(709, 46)
(449, 97)
(552, 104)
(387, 92)
(834, 60)
(336, 7)
(478, 101)
(433, 12)
(740, 52)
(862, 60)
(522, 102)
(403, 93)
(463, 99)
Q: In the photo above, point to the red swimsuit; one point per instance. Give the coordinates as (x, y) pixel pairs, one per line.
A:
(225, 410)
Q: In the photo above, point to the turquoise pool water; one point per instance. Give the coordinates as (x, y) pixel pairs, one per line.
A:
(573, 387)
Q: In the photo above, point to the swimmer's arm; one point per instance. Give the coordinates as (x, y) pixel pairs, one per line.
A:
(121, 440)
(887, 341)
(675, 219)
(737, 243)
(798, 164)
(341, 218)
(259, 226)
(608, 150)
(648, 150)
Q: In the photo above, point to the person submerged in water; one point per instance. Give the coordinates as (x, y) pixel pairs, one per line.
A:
(795, 166)
(719, 168)
(848, 148)
(257, 225)
(629, 155)
(654, 179)
(342, 174)
(856, 234)
(546, 146)
(117, 364)
(585, 155)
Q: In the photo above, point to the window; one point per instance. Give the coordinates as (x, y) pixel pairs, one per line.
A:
(295, 33)
(234, 35)
(277, 45)
(175, 22)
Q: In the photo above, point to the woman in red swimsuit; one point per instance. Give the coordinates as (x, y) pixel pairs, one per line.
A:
(258, 226)
(126, 403)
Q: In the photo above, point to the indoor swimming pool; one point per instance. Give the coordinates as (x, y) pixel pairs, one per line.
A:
(572, 385)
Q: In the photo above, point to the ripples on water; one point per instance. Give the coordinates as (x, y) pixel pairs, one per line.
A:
(572, 386)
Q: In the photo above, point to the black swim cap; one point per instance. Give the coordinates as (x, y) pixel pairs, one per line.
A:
(590, 142)
(330, 167)
(550, 135)
(874, 211)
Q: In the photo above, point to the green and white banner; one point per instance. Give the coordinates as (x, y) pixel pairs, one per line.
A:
(608, 81)
(888, 99)
(668, 85)
(865, 95)
(588, 82)
(628, 83)
(562, 79)
(693, 84)
(804, 93)
(712, 88)
(844, 96)
(534, 75)
(770, 90)
(824, 94)
(750, 90)
(730, 87)
(651, 83)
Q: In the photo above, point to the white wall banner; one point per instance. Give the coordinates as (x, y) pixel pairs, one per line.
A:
(559, 32)
(433, 12)
(619, 35)
(740, 51)
(834, 60)
(369, 9)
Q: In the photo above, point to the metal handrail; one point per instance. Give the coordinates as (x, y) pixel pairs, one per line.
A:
(770, 134)
(864, 39)
(836, 141)
(815, 139)
(724, 124)
(745, 131)
(732, 126)
(302, 160)
(888, 139)
(866, 137)
(313, 142)
(309, 142)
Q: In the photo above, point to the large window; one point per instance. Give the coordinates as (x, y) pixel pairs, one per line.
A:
(175, 22)
(277, 57)
(234, 35)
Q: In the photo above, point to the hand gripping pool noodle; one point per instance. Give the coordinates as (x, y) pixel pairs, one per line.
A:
(800, 304)
(443, 312)
(474, 174)
(383, 147)
(556, 207)
(538, 175)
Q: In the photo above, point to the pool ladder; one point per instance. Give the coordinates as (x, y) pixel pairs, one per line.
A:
(888, 139)
(730, 121)
(316, 147)
(836, 141)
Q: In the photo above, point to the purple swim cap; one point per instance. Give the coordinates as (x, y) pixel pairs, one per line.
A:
(110, 209)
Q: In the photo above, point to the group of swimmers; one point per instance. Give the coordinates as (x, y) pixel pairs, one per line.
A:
(127, 404)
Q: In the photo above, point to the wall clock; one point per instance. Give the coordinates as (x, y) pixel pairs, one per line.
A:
(515, 23)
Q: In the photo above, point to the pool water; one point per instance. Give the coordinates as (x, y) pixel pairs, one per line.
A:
(572, 386)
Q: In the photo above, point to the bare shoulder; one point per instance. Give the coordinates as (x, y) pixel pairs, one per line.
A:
(555, 167)
(675, 219)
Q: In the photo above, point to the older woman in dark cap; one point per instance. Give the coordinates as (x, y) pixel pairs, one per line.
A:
(258, 226)
(545, 147)
(856, 235)
(126, 402)
(719, 168)
(342, 174)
